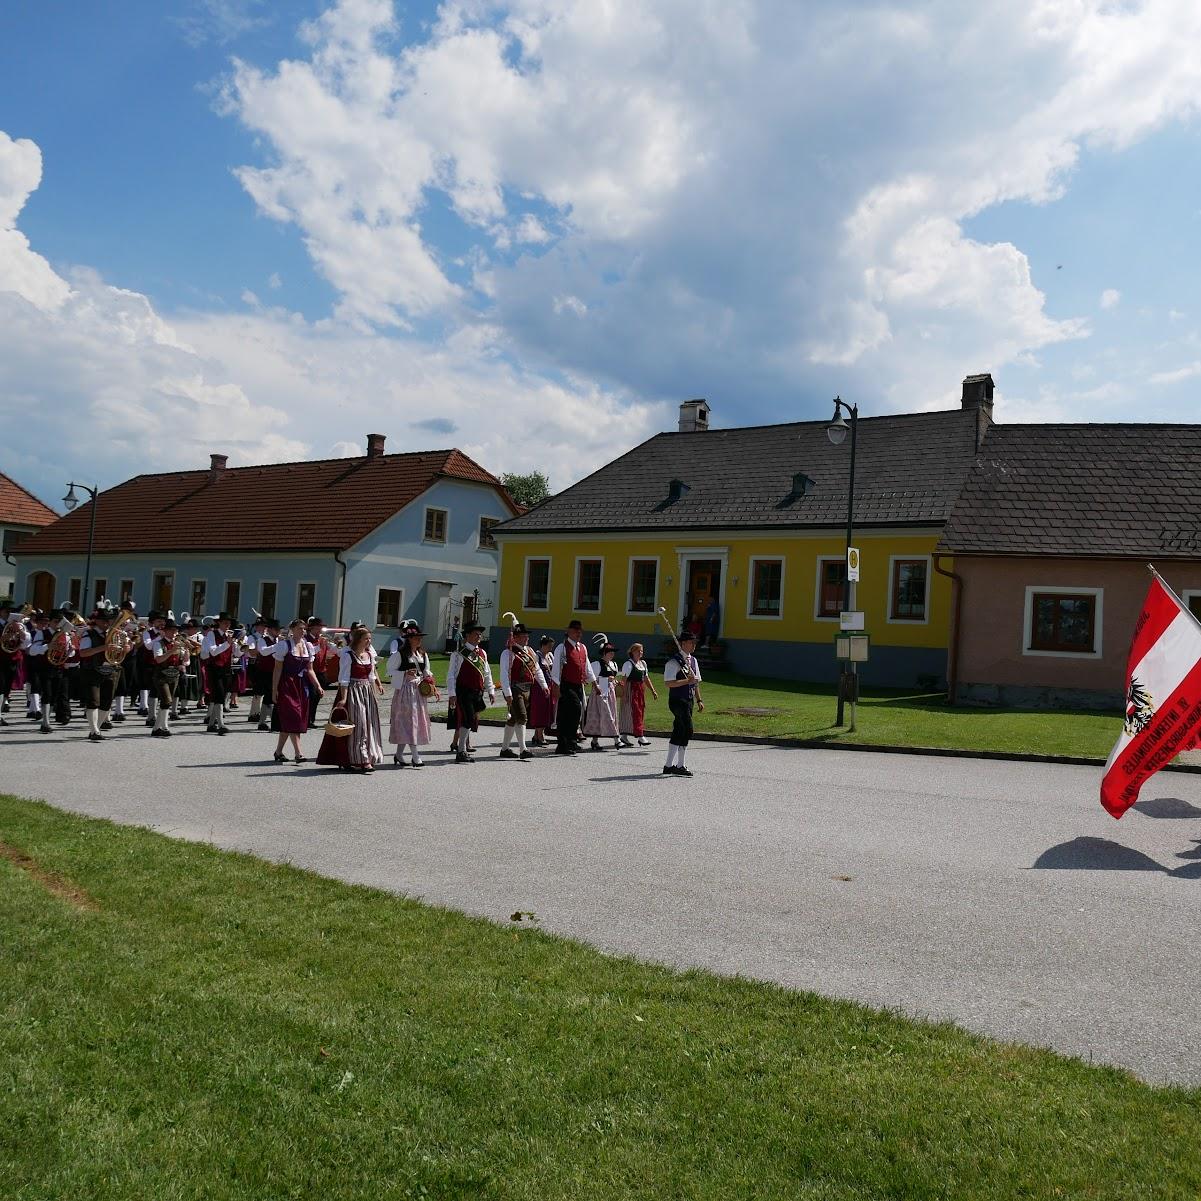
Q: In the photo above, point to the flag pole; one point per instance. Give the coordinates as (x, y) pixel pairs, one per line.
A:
(1172, 593)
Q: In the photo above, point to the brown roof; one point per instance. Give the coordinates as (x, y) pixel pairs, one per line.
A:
(329, 504)
(1107, 490)
(18, 506)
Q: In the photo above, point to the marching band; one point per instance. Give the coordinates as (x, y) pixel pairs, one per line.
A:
(158, 664)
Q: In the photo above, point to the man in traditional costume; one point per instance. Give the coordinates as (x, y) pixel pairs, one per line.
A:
(470, 690)
(682, 675)
(520, 674)
(216, 653)
(570, 673)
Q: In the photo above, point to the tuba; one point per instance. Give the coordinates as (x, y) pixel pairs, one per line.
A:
(14, 631)
(118, 642)
(64, 643)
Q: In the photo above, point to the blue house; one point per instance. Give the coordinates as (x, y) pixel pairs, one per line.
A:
(376, 538)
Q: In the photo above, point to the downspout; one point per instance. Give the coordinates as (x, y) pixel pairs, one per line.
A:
(342, 590)
(956, 611)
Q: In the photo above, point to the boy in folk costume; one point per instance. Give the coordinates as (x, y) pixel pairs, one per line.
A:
(636, 679)
(216, 653)
(35, 663)
(570, 672)
(168, 665)
(96, 675)
(144, 651)
(682, 675)
(600, 718)
(520, 674)
(470, 691)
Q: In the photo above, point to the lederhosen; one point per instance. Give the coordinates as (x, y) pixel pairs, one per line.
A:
(97, 679)
(263, 668)
(571, 693)
(35, 665)
(54, 687)
(9, 662)
(219, 672)
(166, 676)
(680, 702)
(521, 680)
(469, 695)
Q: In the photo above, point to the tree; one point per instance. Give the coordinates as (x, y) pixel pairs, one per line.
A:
(527, 490)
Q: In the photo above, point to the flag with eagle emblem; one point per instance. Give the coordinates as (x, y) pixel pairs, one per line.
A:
(1163, 697)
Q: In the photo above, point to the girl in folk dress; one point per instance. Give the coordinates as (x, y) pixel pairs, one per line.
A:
(359, 689)
(636, 680)
(542, 706)
(293, 668)
(600, 718)
(409, 667)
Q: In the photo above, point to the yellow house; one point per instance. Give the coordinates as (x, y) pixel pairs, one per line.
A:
(755, 519)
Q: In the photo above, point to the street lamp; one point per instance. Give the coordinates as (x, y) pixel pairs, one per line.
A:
(836, 431)
(69, 503)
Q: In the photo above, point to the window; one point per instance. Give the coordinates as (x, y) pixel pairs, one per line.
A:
(487, 542)
(99, 590)
(268, 591)
(388, 607)
(126, 591)
(162, 590)
(306, 600)
(644, 585)
(537, 583)
(74, 588)
(1063, 622)
(435, 525)
(233, 598)
(767, 587)
(908, 590)
(1193, 601)
(12, 539)
(831, 586)
(199, 598)
(587, 585)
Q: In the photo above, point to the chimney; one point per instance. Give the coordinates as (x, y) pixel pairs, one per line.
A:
(977, 394)
(217, 467)
(375, 445)
(694, 416)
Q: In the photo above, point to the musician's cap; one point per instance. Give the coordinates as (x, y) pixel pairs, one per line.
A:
(260, 620)
(519, 628)
(54, 613)
(191, 624)
(315, 621)
(473, 628)
(154, 615)
(575, 625)
(686, 636)
(170, 625)
(546, 640)
(223, 617)
(410, 629)
(101, 615)
(272, 623)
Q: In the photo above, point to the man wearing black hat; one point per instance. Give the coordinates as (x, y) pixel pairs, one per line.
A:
(35, 663)
(570, 673)
(10, 660)
(145, 665)
(168, 662)
(53, 680)
(96, 675)
(262, 668)
(520, 673)
(469, 689)
(216, 654)
(682, 675)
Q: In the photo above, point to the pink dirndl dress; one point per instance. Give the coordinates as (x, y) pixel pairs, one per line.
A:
(409, 721)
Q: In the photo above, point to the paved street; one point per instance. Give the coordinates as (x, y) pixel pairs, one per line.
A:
(998, 895)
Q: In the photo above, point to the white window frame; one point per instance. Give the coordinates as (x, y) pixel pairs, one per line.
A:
(1066, 590)
(525, 582)
(225, 596)
(157, 571)
(297, 613)
(750, 587)
(600, 587)
(685, 556)
(400, 605)
(479, 544)
(818, 615)
(191, 593)
(908, 621)
(425, 519)
(264, 611)
(651, 612)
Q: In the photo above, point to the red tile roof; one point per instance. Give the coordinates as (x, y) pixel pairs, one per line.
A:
(329, 504)
(20, 507)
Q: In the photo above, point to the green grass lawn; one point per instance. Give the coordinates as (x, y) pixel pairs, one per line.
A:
(216, 1027)
(886, 717)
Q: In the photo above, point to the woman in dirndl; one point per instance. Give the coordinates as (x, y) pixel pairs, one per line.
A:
(359, 689)
(293, 667)
(600, 717)
(413, 681)
(542, 707)
(636, 679)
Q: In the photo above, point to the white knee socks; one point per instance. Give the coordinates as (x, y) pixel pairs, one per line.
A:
(521, 738)
(93, 720)
(675, 754)
(507, 740)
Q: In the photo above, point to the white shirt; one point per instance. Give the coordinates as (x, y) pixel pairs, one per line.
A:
(604, 684)
(263, 647)
(346, 658)
(39, 642)
(149, 635)
(397, 673)
(302, 649)
(506, 664)
(214, 643)
(556, 671)
(672, 670)
(452, 674)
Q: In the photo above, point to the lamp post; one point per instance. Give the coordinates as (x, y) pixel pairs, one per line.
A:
(836, 431)
(69, 503)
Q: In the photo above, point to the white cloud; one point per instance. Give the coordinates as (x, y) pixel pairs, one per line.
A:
(1110, 298)
(1188, 371)
(274, 281)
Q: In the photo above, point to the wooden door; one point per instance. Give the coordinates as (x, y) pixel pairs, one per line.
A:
(704, 584)
(41, 585)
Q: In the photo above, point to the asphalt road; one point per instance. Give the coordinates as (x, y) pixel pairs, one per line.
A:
(998, 895)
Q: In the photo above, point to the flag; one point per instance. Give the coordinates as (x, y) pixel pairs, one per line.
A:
(1163, 697)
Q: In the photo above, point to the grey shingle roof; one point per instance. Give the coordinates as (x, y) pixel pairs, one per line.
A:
(908, 472)
(1107, 490)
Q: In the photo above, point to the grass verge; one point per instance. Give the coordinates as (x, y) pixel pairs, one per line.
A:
(222, 1028)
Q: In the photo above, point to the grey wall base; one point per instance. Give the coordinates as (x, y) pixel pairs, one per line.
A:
(1023, 696)
(809, 662)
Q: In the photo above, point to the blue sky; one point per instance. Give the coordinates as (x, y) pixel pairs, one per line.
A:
(531, 228)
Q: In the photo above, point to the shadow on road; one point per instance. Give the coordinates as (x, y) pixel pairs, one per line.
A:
(1167, 806)
(1096, 854)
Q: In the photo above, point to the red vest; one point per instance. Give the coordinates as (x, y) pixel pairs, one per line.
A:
(519, 671)
(222, 658)
(575, 663)
(469, 677)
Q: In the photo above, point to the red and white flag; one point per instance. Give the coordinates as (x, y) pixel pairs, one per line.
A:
(1163, 697)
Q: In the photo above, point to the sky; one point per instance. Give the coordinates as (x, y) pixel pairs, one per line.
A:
(530, 229)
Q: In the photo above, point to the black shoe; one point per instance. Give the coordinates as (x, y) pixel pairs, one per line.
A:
(526, 755)
(508, 754)
(399, 760)
(97, 738)
(118, 717)
(264, 725)
(4, 707)
(565, 750)
(462, 757)
(143, 712)
(35, 716)
(280, 757)
(252, 717)
(222, 730)
(669, 771)
(681, 771)
(106, 725)
(157, 733)
(150, 722)
(45, 730)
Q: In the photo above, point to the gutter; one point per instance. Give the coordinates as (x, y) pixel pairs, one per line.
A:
(956, 613)
(342, 590)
